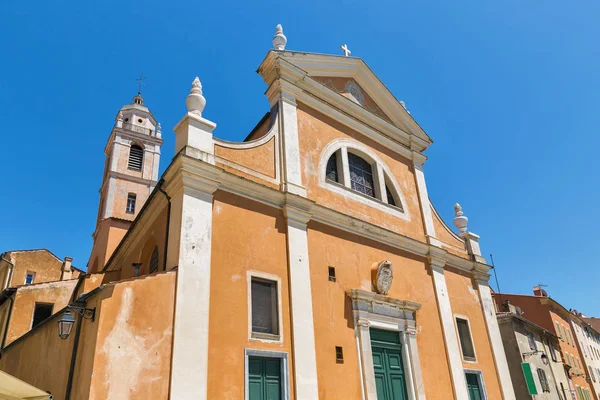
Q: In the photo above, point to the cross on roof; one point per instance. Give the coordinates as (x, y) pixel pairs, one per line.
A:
(140, 81)
(346, 50)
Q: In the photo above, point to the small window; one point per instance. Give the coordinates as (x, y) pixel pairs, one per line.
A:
(552, 351)
(154, 260)
(136, 157)
(30, 278)
(131, 203)
(331, 172)
(466, 342)
(265, 321)
(531, 339)
(558, 331)
(41, 312)
(339, 355)
(331, 274)
(543, 380)
(361, 175)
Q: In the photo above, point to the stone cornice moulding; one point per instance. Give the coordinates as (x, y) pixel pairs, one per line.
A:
(370, 298)
(137, 136)
(301, 67)
(206, 178)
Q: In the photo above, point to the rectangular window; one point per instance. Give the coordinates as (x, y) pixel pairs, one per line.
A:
(558, 331)
(474, 386)
(265, 317)
(466, 341)
(41, 312)
(552, 351)
(543, 380)
(531, 339)
(29, 278)
(130, 203)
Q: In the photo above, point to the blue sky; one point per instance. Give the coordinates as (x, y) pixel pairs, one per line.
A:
(509, 91)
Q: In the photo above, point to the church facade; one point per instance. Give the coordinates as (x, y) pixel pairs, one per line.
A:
(306, 262)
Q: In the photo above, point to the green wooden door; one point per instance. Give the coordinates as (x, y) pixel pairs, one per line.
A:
(264, 378)
(387, 362)
(473, 387)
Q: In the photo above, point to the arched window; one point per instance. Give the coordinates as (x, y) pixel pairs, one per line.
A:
(361, 175)
(131, 197)
(355, 167)
(154, 260)
(136, 157)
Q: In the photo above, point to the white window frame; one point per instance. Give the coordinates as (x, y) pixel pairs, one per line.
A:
(268, 277)
(479, 374)
(32, 278)
(380, 173)
(396, 316)
(285, 381)
(459, 316)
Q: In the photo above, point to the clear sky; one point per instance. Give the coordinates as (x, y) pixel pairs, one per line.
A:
(508, 90)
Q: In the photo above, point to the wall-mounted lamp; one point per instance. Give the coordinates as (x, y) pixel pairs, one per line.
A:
(66, 321)
(544, 357)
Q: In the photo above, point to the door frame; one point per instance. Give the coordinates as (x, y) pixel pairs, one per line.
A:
(285, 388)
(480, 380)
(371, 310)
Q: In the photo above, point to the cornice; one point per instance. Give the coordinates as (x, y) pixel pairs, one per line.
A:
(189, 173)
(125, 133)
(370, 298)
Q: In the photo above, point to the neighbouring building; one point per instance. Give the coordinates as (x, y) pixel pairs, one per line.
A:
(534, 359)
(306, 262)
(546, 312)
(35, 285)
(588, 341)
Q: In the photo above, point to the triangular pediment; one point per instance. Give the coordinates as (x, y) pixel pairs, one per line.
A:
(351, 78)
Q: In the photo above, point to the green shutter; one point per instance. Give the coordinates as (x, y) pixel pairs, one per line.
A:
(529, 378)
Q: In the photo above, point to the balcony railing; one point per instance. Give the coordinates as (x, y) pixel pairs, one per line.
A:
(138, 129)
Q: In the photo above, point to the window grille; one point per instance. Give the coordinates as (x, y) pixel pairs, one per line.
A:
(264, 307)
(361, 175)
(131, 203)
(136, 157)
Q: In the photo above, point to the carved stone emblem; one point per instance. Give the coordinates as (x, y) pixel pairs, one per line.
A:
(384, 277)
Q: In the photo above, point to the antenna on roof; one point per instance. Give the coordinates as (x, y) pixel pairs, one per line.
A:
(496, 277)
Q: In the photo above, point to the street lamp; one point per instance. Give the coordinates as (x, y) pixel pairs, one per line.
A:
(67, 319)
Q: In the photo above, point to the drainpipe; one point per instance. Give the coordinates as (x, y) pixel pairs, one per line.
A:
(168, 223)
(12, 268)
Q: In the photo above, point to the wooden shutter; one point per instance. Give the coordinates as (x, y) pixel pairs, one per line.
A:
(529, 378)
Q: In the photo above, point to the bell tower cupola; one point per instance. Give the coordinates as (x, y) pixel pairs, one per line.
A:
(132, 157)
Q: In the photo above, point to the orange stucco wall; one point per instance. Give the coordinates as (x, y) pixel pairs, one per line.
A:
(315, 132)
(56, 293)
(454, 244)
(246, 236)
(109, 234)
(260, 159)
(465, 302)
(353, 258)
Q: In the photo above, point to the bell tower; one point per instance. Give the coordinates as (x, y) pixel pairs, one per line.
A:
(130, 174)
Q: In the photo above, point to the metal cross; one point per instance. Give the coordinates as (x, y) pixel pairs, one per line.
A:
(345, 49)
(140, 81)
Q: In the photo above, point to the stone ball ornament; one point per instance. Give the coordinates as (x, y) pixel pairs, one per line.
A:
(384, 277)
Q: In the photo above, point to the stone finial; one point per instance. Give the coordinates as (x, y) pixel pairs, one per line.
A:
(195, 101)
(158, 130)
(279, 40)
(460, 221)
(403, 104)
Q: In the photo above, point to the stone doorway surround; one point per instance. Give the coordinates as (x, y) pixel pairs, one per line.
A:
(372, 310)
